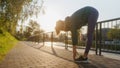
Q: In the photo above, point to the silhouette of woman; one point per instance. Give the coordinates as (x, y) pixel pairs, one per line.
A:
(84, 16)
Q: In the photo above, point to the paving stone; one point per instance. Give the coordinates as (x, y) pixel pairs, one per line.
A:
(23, 56)
(30, 55)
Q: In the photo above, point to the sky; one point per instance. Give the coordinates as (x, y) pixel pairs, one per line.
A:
(58, 9)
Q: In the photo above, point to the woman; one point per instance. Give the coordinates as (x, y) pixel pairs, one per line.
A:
(84, 16)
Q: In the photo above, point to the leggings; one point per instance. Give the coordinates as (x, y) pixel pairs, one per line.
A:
(92, 19)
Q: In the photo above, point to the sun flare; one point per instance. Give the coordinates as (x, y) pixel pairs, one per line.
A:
(48, 21)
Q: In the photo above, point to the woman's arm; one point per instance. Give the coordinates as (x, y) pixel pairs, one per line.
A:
(74, 36)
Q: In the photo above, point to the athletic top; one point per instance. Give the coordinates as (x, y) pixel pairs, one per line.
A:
(77, 20)
(80, 17)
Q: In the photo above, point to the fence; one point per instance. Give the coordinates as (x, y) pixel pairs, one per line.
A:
(108, 36)
(51, 37)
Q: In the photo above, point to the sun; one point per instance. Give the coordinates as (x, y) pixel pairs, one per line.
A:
(48, 21)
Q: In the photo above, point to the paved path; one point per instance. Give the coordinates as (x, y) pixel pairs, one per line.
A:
(30, 55)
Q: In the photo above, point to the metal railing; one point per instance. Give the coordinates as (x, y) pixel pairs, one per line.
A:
(105, 30)
(51, 37)
(101, 40)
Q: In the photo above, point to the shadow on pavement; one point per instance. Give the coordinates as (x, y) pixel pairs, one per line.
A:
(54, 52)
(86, 65)
(80, 65)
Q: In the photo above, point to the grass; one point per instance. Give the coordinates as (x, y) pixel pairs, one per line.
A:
(7, 41)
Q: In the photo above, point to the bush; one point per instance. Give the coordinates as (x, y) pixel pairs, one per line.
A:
(7, 41)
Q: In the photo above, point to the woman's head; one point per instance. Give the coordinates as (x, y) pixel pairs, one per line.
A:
(60, 25)
(63, 25)
(67, 23)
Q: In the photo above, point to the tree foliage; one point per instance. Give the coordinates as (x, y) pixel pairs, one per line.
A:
(32, 32)
(13, 10)
(114, 34)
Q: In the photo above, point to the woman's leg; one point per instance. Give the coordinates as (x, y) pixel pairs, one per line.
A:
(74, 41)
(74, 51)
(92, 19)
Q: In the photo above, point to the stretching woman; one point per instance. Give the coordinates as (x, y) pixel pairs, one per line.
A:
(84, 16)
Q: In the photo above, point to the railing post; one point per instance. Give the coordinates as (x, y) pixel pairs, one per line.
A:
(100, 44)
(66, 40)
(96, 40)
(43, 39)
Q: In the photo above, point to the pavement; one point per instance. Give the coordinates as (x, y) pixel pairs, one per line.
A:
(31, 55)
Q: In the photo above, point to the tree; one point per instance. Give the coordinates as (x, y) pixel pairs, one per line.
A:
(28, 31)
(33, 31)
(34, 26)
(114, 34)
(13, 10)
